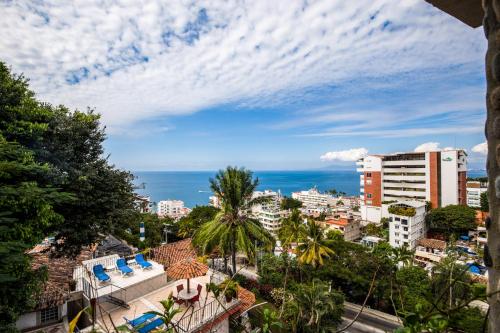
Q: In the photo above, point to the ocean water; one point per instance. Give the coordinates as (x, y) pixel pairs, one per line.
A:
(193, 187)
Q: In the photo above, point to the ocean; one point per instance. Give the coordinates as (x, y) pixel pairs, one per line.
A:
(193, 187)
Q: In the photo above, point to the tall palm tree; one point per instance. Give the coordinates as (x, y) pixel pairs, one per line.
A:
(232, 229)
(314, 246)
(292, 230)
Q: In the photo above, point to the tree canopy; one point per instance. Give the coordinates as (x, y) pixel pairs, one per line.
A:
(54, 181)
(452, 219)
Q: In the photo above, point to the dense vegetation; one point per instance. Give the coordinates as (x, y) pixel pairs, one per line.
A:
(452, 219)
(54, 181)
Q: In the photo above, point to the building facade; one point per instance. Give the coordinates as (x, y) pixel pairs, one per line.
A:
(349, 227)
(314, 198)
(406, 223)
(474, 191)
(172, 208)
(437, 176)
(269, 213)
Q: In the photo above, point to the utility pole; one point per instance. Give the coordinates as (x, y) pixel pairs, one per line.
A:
(165, 229)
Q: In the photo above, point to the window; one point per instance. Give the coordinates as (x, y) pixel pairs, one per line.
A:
(396, 227)
(369, 195)
(405, 228)
(368, 174)
(406, 236)
(49, 315)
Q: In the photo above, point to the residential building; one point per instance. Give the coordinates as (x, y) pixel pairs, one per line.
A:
(314, 198)
(371, 241)
(474, 191)
(269, 213)
(172, 208)
(143, 203)
(437, 176)
(406, 223)
(430, 251)
(345, 224)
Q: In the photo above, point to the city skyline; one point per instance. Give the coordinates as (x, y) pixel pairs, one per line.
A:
(279, 86)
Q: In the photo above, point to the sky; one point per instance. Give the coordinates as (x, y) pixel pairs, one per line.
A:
(269, 85)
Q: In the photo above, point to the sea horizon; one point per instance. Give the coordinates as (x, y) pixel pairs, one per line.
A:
(193, 187)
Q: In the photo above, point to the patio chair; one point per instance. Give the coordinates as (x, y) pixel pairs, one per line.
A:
(122, 266)
(151, 326)
(139, 258)
(100, 274)
(179, 288)
(139, 320)
(197, 297)
(178, 301)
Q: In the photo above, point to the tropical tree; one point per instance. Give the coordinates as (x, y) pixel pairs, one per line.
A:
(314, 308)
(452, 219)
(232, 230)
(313, 247)
(292, 230)
(290, 203)
(485, 205)
(197, 217)
(168, 314)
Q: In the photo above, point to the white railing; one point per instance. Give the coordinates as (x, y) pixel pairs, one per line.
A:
(205, 314)
(80, 272)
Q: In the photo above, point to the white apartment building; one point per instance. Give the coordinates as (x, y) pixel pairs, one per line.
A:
(269, 213)
(314, 198)
(437, 176)
(474, 191)
(172, 208)
(406, 230)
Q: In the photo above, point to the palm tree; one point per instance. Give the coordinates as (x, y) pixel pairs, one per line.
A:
(314, 246)
(231, 229)
(314, 308)
(292, 230)
(169, 312)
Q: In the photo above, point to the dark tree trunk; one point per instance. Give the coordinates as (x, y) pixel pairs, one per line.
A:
(233, 254)
(491, 25)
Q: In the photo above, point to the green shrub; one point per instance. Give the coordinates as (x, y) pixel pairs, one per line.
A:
(403, 211)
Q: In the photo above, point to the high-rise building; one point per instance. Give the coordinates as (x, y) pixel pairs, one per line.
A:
(269, 212)
(437, 176)
(474, 191)
(172, 208)
(406, 223)
(313, 198)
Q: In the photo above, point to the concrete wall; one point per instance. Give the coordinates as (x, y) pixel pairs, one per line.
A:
(449, 178)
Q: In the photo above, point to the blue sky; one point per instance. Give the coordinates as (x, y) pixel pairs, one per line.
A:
(266, 85)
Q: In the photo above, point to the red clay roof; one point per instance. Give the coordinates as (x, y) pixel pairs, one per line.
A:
(172, 253)
(340, 221)
(187, 269)
(432, 243)
(60, 272)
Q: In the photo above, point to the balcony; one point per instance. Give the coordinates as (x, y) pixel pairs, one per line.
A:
(131, 296)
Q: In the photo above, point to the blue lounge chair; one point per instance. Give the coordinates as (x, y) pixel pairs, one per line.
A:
(151, 326)
(100, 274)
(139, 258)
(121, 264)
(140, 320)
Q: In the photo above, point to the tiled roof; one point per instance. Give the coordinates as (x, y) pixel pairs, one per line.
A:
(432, 243)
(169, 254)
(187, 269)
(60, 272)
(247, 299)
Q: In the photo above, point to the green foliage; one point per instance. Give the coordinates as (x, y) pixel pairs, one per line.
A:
(402, 211)
(229, 288)
(452, 219)
(169, 312)
(54, 181)
(313, 307)
(198, 216)
(290, 203)
(154, 230)
(313, 247)
(484, 202)
(270, 321)
(231, 229)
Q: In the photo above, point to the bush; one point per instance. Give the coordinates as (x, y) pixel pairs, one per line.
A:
(402, 211)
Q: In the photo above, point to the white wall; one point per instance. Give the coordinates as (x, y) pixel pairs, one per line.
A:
(371, 213)
(26, 321)
(449, 178)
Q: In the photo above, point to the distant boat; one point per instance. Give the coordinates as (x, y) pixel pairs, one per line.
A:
(201, 191)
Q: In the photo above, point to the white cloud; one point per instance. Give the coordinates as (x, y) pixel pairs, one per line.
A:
(142, 59)
(345, 155)
(481, 148)
(428, 146)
